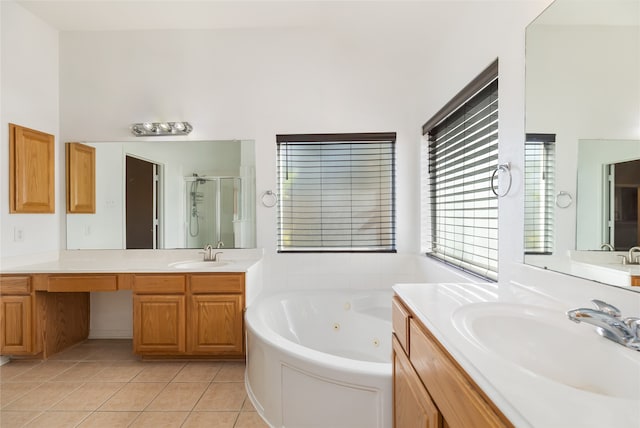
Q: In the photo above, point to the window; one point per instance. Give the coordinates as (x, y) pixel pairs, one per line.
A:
(462, 150)
(539, 159)
(336, 192)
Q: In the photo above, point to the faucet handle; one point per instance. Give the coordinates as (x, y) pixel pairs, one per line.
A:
(634, 325)
(624, 258)
(607, 308)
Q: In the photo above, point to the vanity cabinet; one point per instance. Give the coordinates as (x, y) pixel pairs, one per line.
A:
(18, 325)
(159, 314)
(430, 388)
(189, 315)
(215, 314)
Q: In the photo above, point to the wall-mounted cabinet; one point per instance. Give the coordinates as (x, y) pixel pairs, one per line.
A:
(81, 178)
(31, 171)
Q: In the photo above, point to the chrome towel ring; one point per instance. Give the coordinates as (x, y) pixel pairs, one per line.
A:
(504, 167)
(563, 199)
(269, 199)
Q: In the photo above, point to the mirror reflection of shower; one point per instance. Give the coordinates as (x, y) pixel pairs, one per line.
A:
(212, 210)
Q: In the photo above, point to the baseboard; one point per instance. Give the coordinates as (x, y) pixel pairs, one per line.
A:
(110, 334)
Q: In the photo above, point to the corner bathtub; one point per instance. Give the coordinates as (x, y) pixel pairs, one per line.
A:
(321, 359)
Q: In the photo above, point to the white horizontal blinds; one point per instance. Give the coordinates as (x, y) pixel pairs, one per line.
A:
(539, 185)
(463, 153)
(336, 192)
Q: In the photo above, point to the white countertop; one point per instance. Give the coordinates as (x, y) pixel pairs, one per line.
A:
(134, 261)
(528, 398)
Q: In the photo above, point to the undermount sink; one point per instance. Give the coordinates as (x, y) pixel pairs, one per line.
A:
(544, 342)
(199, 264)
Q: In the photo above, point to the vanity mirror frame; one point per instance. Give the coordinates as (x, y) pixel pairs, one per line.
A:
(581, 83)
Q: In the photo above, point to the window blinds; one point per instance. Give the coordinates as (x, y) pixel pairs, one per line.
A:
(539, 185)
(462, 155)
(336, 192)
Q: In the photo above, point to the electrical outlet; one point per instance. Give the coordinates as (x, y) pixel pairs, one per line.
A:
(18, 234)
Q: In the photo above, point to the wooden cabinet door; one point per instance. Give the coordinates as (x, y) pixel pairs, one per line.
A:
(412, 404)
(16, 324)
(31, 171)
(81, 178)
(159, 324)
(215, 324)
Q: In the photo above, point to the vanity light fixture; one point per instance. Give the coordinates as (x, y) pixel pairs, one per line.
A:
(154, 129)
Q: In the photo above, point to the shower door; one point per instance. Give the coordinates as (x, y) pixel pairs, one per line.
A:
(211, 210)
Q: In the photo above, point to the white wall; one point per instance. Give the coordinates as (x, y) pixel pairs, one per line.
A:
(29, 97)
(380, 75)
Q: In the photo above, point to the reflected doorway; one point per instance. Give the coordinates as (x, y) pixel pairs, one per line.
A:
(624, 183)
(142, 205)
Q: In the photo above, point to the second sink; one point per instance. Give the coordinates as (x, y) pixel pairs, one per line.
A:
(543, 342)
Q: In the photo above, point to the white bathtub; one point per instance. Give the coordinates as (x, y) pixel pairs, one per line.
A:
(321, 359)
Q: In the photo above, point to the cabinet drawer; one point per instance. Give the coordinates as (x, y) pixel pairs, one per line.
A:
(216, 283)
(15, 285)
(82, 283)
(458, 398)
(400, 318)
(163, 284)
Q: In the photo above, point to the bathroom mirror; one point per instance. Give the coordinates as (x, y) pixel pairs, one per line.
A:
(583, 88)
(169, 194)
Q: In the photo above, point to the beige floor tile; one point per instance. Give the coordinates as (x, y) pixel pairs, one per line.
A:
(81, 372)
(158, 372)
(178, 396)
(45, 371)
(117, 354)
(11, 419)
(11, 391)
(231, 372)
(16, 367)
(198, 372)
(89, 396)
(250, 420)
(58, 419)
(248, 406)
(210, 419)
(133, 396)
(75, 353)
(44, 396)
(160, 419)
(118, 372)
(222, 396)
(109, 420)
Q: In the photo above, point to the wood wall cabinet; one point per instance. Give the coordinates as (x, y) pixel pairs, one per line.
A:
(18, 324)
(189, 315)
(429, 385)
(81, 178)
(31, 171)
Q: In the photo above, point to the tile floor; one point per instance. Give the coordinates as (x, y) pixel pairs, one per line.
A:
(100, 383)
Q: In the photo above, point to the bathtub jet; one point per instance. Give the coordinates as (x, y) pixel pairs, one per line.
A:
(321, 359)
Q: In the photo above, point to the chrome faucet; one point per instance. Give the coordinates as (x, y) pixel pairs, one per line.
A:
(210, 255)
(608, 247)
(609, 323)
(633, 261)
(220, 244)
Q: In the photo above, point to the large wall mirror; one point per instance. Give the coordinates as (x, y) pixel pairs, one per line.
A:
(583, 132)
(170, 194)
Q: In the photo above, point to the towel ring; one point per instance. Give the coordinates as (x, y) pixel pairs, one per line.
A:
(505, 167)
(564, 196)
(269, 199)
